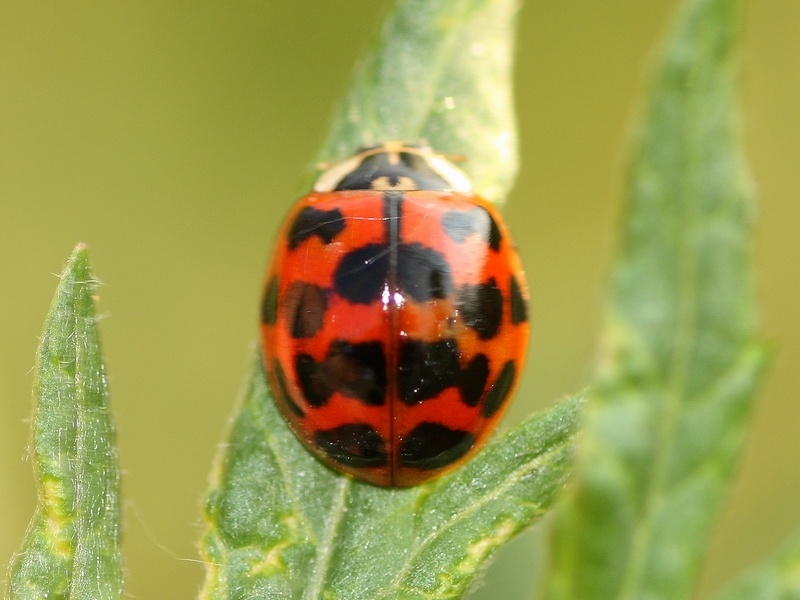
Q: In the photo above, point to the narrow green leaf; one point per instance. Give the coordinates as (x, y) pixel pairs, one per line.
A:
(281, 525)
(681, 362)
(71, 549)
(441, 74)
(777, 579)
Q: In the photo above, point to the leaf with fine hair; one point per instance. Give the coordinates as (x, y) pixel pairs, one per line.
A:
(282, 525)
(442, 74)
(71, 549)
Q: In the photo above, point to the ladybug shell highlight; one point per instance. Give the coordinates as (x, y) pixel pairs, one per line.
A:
(394, 317)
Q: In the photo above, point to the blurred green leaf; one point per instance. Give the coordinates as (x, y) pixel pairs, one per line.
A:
(441, 73)
(282, 525)
(777, 579)
(681, 362)
(71, 549)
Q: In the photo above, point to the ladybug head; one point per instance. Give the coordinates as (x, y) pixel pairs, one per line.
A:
(394, 166)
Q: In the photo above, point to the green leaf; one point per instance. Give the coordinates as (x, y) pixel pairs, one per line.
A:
(681, 362)
(441, 74)
(71, 549)
(281, 525)
(777, 579)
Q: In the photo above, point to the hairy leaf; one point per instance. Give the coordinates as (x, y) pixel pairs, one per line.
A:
(282, 525)
(441, 73)
(71, 549)
(279, 523)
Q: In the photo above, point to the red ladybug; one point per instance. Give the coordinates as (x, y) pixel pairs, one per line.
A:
(394, 317)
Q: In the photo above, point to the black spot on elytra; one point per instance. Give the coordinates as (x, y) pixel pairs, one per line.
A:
(495, 237)
(304, 306)
(458, 225)
(283, 390)
(472, 380)
(325, 224)
(354, 370)
(311, 377)
(432, 446)
(269, 305)
(355, 445)
(423, 273)
(499, 392)
(362, 274)
(519, 307)
(358, 371)
(425, 369)
(481, 307)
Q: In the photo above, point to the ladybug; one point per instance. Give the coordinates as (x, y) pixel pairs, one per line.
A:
(394, 318)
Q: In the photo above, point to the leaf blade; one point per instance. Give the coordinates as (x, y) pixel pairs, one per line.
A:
(282, 547)
(441, 73)
(278, 523)
(456, 522)
(666, 422)
(72, 548)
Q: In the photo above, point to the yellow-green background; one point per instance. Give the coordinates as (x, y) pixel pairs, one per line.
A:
(171, 135)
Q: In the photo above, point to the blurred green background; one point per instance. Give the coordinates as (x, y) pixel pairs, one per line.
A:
(170, 136)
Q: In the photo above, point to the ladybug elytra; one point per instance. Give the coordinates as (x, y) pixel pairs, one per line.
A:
(394, 317)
